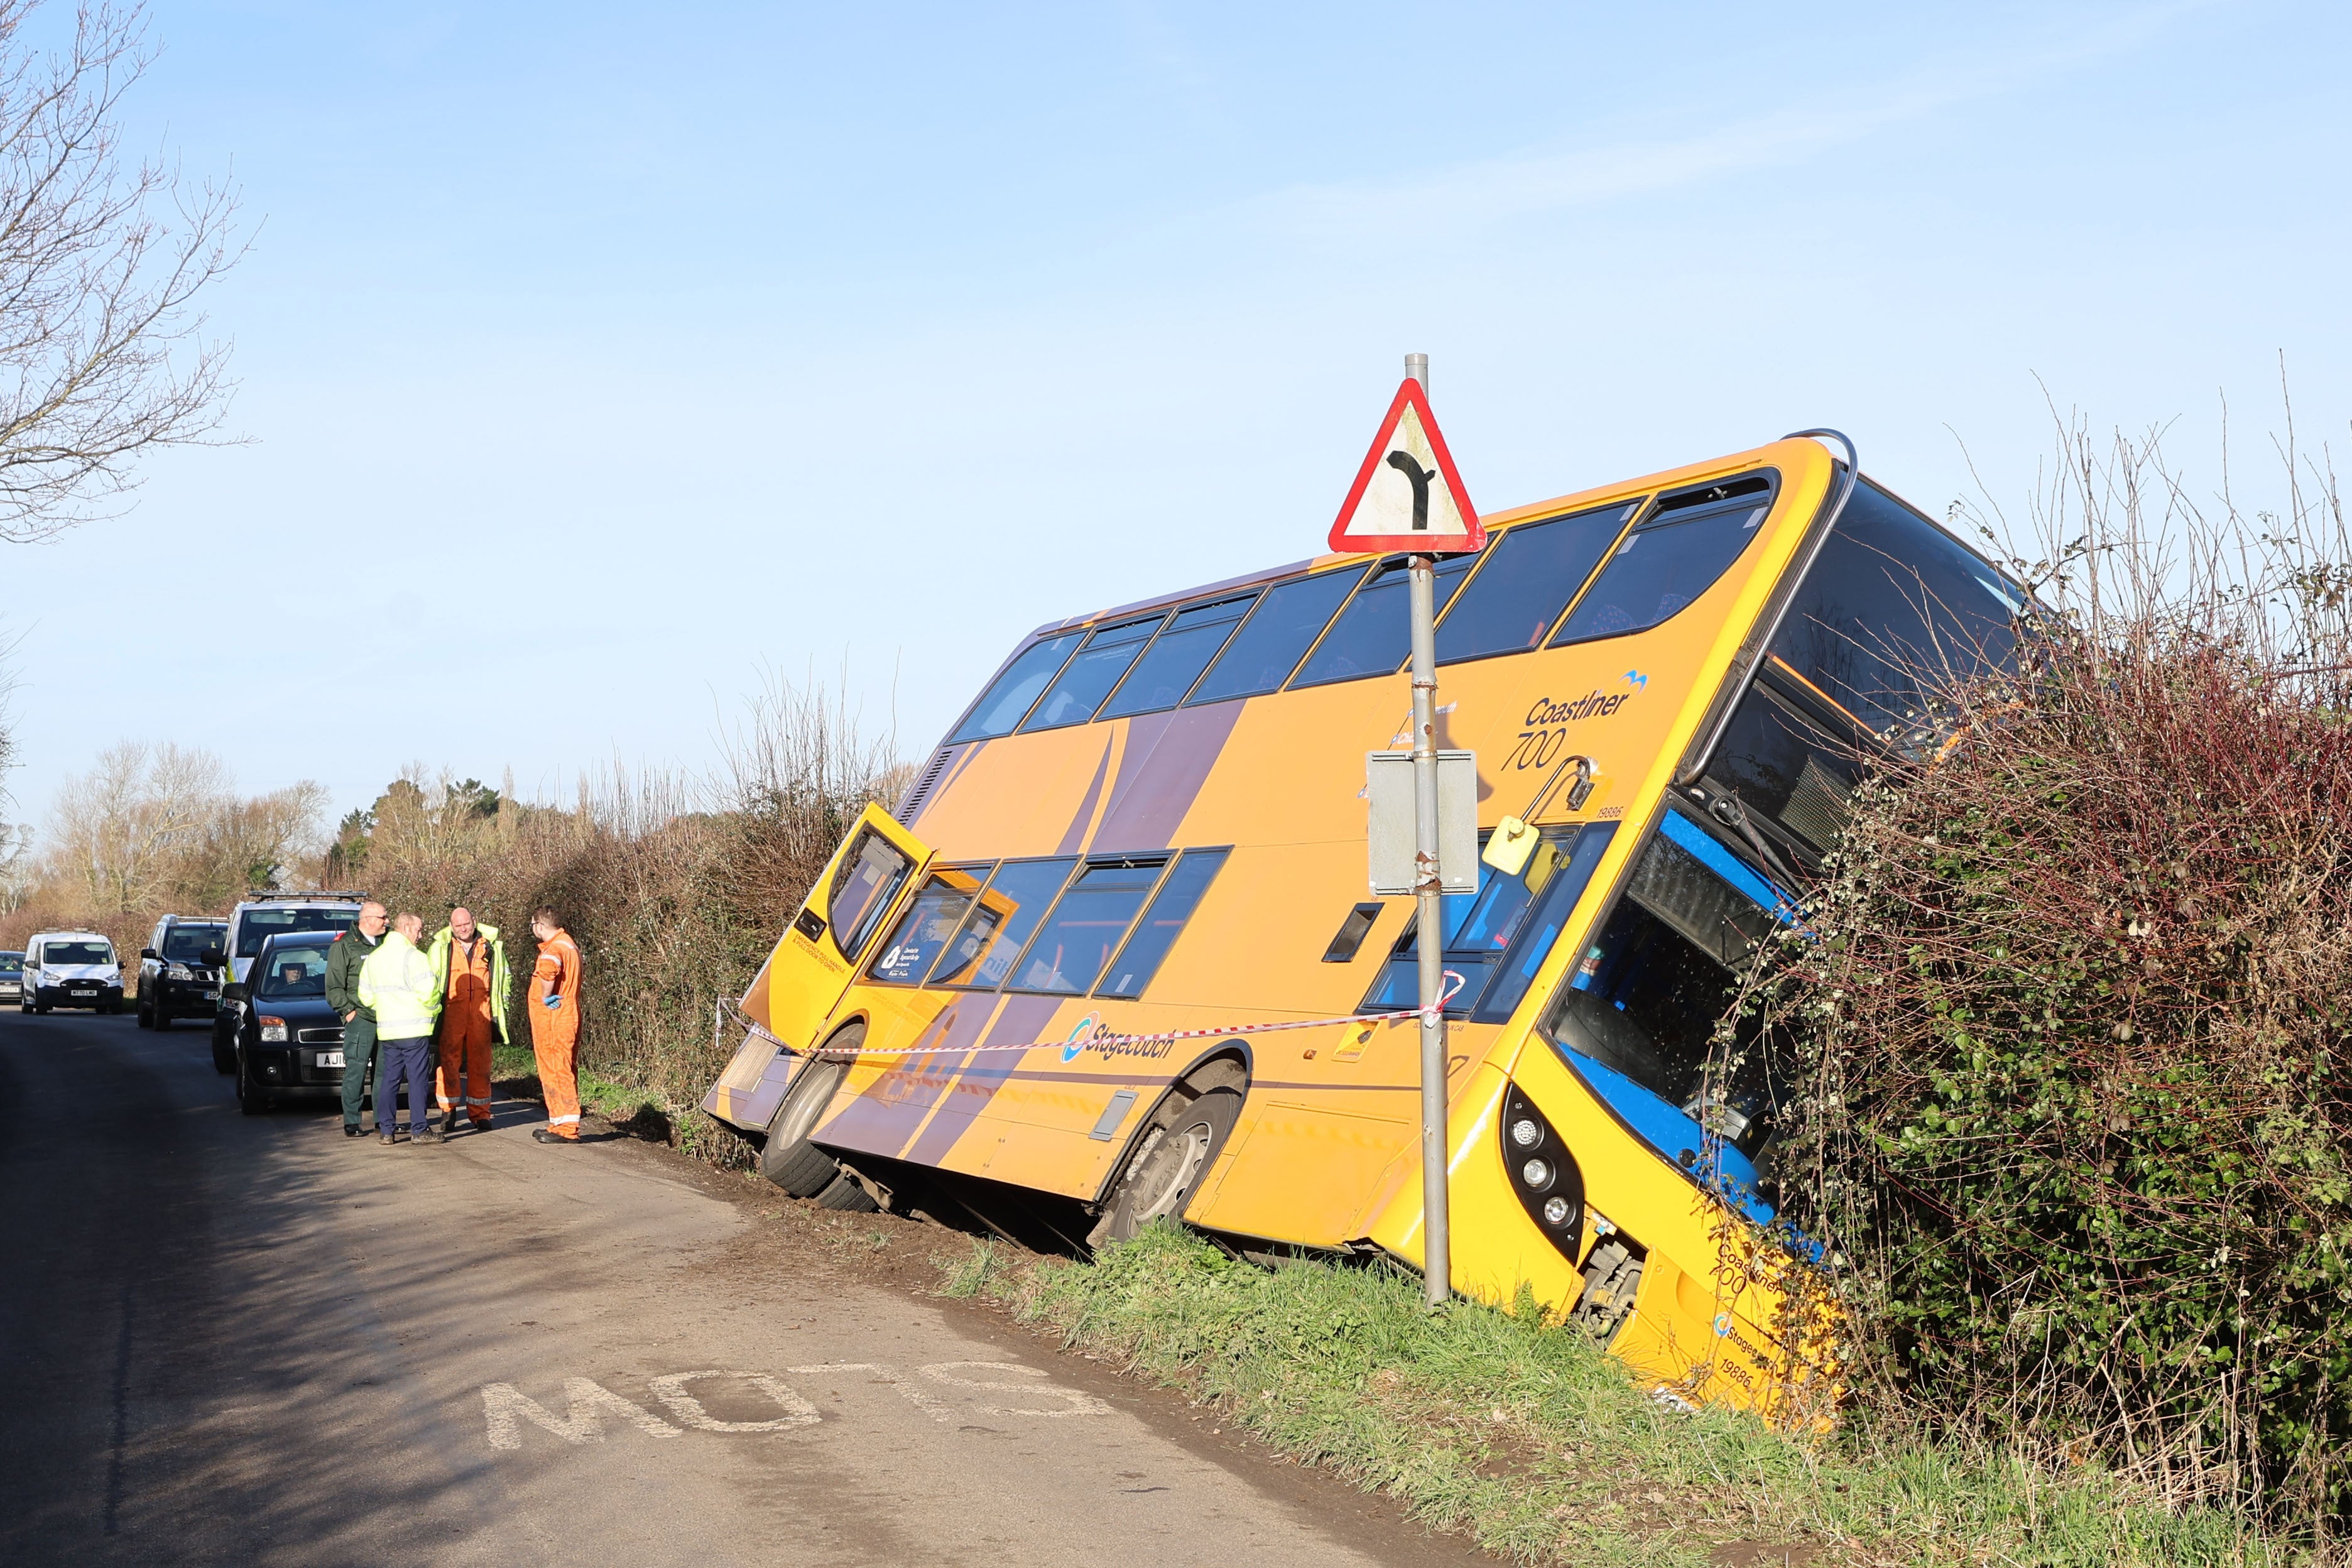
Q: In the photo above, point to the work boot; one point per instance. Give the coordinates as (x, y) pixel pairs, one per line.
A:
(430, 1135)
(353, 1129)
(542, 1135)
(386, 1139)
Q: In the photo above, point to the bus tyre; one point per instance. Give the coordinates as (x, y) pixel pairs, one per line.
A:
(789, 1159)
(1166, 1166)
(846, 1194)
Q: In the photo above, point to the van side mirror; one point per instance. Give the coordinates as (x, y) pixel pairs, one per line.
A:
(211, 958)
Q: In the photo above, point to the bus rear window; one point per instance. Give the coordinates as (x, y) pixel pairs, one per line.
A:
(1008, 908)
(1080, 688)
(1176, 658)
(1288, 618)
(1690, 538)
(1373, 635)
(1534, 570)
(1172, 907)
(1004, 704)
(1071, 949)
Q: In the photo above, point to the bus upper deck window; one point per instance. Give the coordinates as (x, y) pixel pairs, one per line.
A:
(1088, 680)
(1071, 949)
(1892, 605)
(1674, 554)
(1161, 923)
(1176, 658)
(1007, 910)
(1535, 570)
(1373, 635)
(1289, 617)
(1001, 706)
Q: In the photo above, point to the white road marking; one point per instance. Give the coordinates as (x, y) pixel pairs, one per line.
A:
(1080, 1403)
(915, 1396)
(506, 1408)
(671, 1391)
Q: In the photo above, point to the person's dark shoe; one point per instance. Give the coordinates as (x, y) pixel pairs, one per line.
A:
(353, 1129)
(386, 1139)
(542, 1135)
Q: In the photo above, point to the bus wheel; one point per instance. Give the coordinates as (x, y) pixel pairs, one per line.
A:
(846, 1194)
(789, 1159)
(1165, 1167)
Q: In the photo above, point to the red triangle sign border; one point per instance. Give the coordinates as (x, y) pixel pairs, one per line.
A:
(1408, 394)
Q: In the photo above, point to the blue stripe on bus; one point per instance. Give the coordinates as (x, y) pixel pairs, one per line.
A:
(1674, 1135)
(1728, 867)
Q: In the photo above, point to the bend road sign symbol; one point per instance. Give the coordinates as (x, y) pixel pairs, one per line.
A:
(1407, 495)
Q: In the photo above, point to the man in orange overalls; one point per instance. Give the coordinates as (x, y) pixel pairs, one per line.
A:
(470, 960)
(555, 1026)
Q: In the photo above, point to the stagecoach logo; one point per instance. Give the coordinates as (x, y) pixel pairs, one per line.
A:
(1091, 1035)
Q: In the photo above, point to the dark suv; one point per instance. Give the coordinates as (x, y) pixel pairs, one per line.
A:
(174, 981)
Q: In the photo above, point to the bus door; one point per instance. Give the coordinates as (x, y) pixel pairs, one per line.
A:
(814, 961)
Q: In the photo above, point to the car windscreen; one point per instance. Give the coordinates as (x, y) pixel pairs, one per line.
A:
(187, 944)
(11, 962)
(259, 925)
(293, 972)
(77, 952)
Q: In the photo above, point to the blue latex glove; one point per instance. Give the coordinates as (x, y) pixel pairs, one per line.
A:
(552, 1002)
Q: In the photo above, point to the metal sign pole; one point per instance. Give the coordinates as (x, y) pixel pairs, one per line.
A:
(1437, 1261)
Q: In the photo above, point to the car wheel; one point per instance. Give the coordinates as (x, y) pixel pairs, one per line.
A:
(251, 1098)
(223, 1061)
(144, 1013)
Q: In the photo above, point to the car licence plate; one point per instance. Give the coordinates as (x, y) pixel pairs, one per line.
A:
(78, 992)
(331, 1059)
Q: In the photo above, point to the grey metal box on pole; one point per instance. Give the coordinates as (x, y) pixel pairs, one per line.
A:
(1390, 828)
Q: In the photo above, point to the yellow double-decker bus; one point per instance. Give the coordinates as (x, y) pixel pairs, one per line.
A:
(1113, 958)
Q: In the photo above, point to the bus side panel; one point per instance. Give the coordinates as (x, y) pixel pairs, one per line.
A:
(892, 1095)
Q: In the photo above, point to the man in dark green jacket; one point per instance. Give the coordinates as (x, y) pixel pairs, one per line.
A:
(345, 956)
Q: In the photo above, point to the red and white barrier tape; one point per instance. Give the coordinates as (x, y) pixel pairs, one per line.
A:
(1100, 1039)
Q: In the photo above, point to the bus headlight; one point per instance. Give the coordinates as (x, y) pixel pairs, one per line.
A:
(1550, 1186)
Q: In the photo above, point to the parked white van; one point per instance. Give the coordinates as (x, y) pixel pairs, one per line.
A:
(70, 969)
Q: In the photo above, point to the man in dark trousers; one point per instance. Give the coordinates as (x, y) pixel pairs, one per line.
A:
(345, 956)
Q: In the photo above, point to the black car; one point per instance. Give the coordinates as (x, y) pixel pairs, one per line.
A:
(174, 981)
(290, 1043)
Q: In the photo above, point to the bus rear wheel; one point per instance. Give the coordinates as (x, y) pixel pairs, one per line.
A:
(788, 1158)
(1166, 1166)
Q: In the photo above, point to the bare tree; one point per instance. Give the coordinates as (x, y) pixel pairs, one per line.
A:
(102, 353)
(121, 833)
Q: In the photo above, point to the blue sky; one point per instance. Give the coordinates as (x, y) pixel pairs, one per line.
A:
(595, 360)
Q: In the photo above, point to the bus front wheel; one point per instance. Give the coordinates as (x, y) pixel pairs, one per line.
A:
(789, 1159)
(1166, 1166)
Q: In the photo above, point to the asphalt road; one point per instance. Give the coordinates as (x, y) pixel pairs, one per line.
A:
(250, 1340)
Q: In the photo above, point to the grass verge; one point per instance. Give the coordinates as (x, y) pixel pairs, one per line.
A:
(1532, 1441)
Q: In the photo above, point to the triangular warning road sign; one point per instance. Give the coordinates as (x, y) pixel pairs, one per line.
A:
(1407, 495)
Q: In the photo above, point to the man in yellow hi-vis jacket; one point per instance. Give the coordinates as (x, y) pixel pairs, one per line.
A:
(397, 984)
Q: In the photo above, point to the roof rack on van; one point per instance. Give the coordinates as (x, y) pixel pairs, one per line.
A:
(266, 896)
